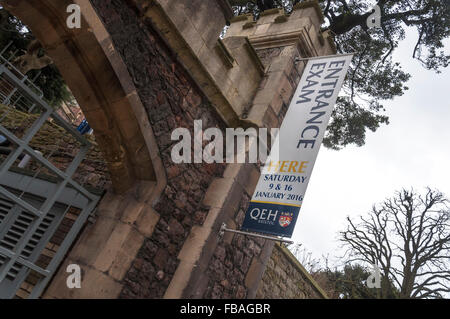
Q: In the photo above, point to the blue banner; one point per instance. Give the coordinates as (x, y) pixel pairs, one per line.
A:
(271, 218)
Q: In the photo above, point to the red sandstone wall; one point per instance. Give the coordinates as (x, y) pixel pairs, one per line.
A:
(173, 100)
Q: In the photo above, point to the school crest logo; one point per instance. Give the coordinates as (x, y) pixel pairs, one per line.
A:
(285, 219)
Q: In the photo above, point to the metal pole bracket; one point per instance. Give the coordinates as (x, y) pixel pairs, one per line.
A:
(224, 229)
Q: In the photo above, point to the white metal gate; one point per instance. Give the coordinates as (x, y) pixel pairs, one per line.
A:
(35, 208)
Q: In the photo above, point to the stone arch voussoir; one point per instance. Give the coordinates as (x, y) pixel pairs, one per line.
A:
(99, 81)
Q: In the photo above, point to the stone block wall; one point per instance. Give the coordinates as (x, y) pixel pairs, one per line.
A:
(171, 100)
(227, 75)
(184, 255)
(286, 278)
(227, 263)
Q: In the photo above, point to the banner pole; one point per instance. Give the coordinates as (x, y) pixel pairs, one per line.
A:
(224, 228)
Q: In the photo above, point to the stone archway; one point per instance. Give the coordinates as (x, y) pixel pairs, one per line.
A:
(99, 81)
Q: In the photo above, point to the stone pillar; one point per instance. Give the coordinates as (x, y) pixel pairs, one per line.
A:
(233, 266)
(279, 39)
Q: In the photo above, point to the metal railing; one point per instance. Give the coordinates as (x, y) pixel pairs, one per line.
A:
(27, 222)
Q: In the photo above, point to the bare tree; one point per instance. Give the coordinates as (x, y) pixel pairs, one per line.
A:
(305, 257)
(408, 237)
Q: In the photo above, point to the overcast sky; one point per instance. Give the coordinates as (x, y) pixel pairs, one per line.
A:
(413, 150)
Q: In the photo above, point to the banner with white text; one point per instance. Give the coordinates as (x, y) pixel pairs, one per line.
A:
(276, 202)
